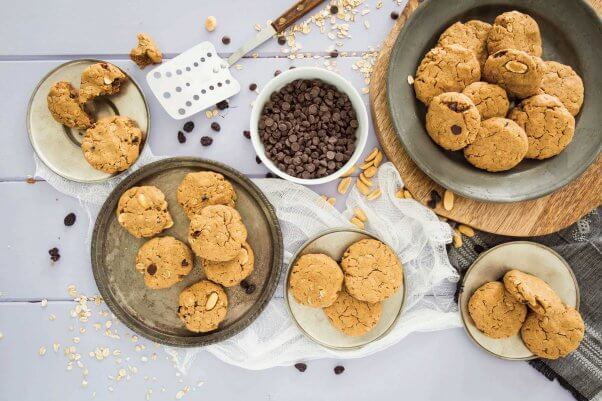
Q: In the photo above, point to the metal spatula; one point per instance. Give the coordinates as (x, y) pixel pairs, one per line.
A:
(199, 78)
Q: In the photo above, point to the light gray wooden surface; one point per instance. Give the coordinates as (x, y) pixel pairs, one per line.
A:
(36, 36)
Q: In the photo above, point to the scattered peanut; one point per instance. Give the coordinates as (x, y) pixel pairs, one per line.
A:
(448, 200)
(399, 194)
(357, 222)
(377, 160)
(366, 165)
(374, 194)
(211, 301)
(466, 230)
(371, 155)
(407, 194)
(210, 23)
(344, 185)
(370, 171)
(332, 201)
(363, 188)
(349, 172)
(457, 239)
(360, 214)
(365, 180)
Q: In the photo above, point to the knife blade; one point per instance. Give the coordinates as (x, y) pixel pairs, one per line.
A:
(261, 36)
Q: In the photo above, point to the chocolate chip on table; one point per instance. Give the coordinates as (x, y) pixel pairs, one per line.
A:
(281, 40)
(334, 9)
(69, 219)
(257, 160)
(247, 134)
(456, 129)
(435, 198)
(478, 248)
(206, 141)
(277, 72)
(394, 15)
(244, 284)
(181, 137)
(151, 269)
(301, 367)
(292, 67)
(334, 53)
(54, 254)
(188, 127)
(250, 289)
(215, 126)
(339, 369)
(223, 105)
(252, 87)
(271, 175)
(226, 40)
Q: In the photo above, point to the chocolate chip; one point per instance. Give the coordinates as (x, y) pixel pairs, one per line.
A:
(281, 40)
(188, 127)
(247, 134)
(206, 141)
(478, 248)
(151, 269)
(181, 137)
(250, 289)
(54, 254)
(301, 367)
(339, 369)
(456, 129)
(69, 219)
(196, 234)
(244, 284)
(271, 175)
(394, 15)
(184, 262)
(257, 160)
(334, 54)
(435, 196)
(334, 9)
(226, 40)
(223, 105)
(215, 126)
(252, 87)
(432, 204)
(277, 72)
(457, 107)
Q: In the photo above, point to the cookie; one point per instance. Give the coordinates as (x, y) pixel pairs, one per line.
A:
(217, 233)
(233, 271)
(65, 108)
(112, 144)
(372, 271)
(519, 73)
(563, 82)
(352, 316)
(554, 335)
(163, 261)
(471, 35)
(146, 52)
(548, 124)
(142, 211)
(445, 69)
(500, 145)
(452, 120)
(515, 30)
(203, 306)
(98, 80)
(532, 291)
(495, 312)
(204, 188)
(316, 280)
(491, 100)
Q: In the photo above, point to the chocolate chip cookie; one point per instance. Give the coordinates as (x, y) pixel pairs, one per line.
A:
(471, 35)
(519, 73)
(65, 108)
(203, 306)
(204, 188)
(146, 52)
(315, 280)
(112, 144)
(548, 124)
(515, 30)
(98, 80)
(452, 120)
(533, 291)
(445, 69)
(563, 82)
(163, 261)
(231, 272)
(553, 335)
(142, 211)
(500, 145)
(372, 271)
(352, 316)
(491, 100)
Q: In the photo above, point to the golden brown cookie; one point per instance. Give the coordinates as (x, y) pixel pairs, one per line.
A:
(452, 120)
(352, 316)
(315, 280)
(445, 69)
(495, 312)
(203, 306)
(112, 144)
(65, 108)
(548, 124)
(553, 335)
(491, 100)
(142, 211)
(563, 82)
(146, 52)
(471, 35)
(217, 233)
(164, 261)
(500, 145)
(515, 30)
(533, 291)
(98, 80)
(517, 72)
(233, 271)
(204, 188)
(372, 271)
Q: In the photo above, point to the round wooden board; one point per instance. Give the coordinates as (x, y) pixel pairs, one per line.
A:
(529, 218)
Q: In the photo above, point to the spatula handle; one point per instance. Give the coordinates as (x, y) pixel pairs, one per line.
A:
(294, 13)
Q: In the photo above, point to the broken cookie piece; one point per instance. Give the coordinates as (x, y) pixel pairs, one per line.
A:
(64, 107)
(146, 52)
(100, 79)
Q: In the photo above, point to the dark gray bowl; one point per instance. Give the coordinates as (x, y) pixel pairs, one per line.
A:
(571, 33)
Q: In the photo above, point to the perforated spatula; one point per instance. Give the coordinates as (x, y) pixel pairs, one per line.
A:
(199, 78)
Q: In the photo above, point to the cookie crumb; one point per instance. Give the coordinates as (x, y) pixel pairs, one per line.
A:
(146, 52)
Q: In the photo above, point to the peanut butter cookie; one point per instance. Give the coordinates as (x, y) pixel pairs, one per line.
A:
(163, 261)
(100, 79)
(472, 35)
(533, 291)
(204, 188)
(373, 272)
(491, 100)
(452, 120)
(495, 312)
(112, 144)
(203, 306)
(500, 145)
(515, 30)
(65, 108)
(142, 211)
(548, 124)
(316, 280)
(563, 82)
(217, 233)
(352, 316)
(516, 71)
(445, 69)
(553, 335)
(146, 52)
(231, 272)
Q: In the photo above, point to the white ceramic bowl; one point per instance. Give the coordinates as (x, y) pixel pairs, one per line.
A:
(310, 73)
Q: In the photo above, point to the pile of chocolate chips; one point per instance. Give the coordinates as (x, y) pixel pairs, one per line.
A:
(308, 128)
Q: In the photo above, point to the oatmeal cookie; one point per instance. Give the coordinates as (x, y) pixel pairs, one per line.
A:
(65, 108)
(515, 30)
(516, 71)
(316, 280)
(553, 335)
(100, 79)
(204, 188)
(491, 100)
(352, 316)
(472, 35)
(231, 272)
(533, 291)
(563, 82)
(452, 120)
(163, 261)
(142, 211)
(203, 306)
(146, 52)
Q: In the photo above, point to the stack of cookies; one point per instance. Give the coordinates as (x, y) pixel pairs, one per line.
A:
(352, 293)
(474, 76)
(525, 303)
(216, 235)
(111, 144)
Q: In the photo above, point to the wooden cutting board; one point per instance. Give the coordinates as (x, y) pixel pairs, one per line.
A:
(528, 218)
